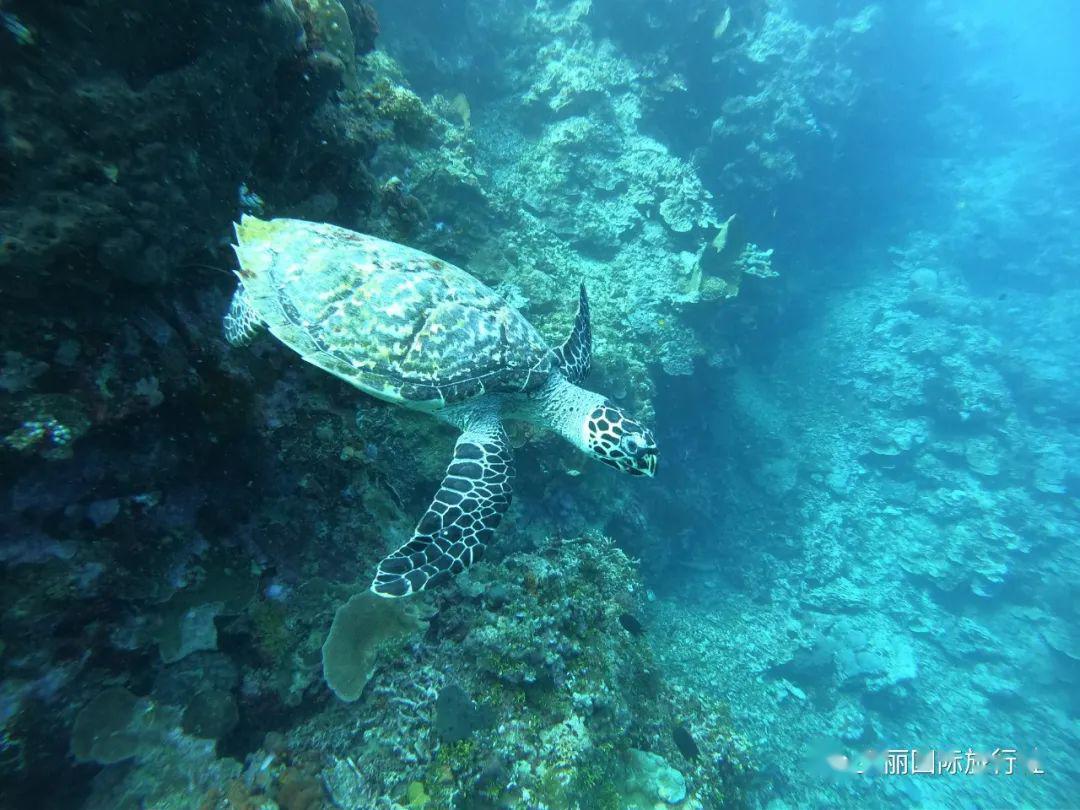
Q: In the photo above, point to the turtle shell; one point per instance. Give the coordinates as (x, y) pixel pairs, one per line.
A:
(395, 322)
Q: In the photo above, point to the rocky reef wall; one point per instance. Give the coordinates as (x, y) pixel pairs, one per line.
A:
(163, 625)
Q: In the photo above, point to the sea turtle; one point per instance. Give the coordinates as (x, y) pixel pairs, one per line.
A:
(408, 328)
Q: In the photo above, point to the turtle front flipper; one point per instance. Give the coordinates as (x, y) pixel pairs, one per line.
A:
(462, 518)
(241, 322)
(575, 355)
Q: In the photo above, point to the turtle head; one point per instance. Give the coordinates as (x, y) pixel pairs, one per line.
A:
(612, 437)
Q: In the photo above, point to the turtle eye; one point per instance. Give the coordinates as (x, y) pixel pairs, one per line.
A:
(634, 443)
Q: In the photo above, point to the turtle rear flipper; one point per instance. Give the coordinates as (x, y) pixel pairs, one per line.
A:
(470, 503)
(242, 324)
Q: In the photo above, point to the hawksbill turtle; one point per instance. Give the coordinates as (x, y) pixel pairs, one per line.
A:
(408, 328)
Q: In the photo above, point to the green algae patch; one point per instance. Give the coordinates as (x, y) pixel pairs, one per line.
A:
(417, 796)
(362, 627)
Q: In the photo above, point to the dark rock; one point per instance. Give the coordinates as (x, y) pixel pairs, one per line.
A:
(457, 716)
(203, 670)
(365, 25)
(684, 741)
(211, 714)
(496, 596)
(631, 624)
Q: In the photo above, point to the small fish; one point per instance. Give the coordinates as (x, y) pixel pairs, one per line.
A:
(632, 625)
(684, 741)
(250, 202)
(22, 34)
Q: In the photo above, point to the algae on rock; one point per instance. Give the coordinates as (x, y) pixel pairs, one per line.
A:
(327, 27)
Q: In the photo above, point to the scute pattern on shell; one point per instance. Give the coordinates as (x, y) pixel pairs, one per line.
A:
(394, 321)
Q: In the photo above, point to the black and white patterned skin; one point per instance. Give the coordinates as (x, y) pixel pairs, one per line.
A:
(618, 441)
(462, 518)
(575, 355)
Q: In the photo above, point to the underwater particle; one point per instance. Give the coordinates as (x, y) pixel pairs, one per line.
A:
(15, 27)
(684, 741)
(722, 26)
(211, 714)
(103, 729)
(631, 624)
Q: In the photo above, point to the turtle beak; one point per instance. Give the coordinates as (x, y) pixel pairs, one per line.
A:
(645, 457)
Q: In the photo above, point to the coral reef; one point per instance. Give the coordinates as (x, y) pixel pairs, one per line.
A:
(160, 482)
(583, 193)
(362, 626)
(913, 531)
(868, 477)
(528, 689)
(152, 493)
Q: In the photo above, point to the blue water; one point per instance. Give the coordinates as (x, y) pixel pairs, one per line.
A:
(833, 270)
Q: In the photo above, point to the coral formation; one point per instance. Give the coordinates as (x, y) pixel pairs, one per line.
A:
(915, 511)
(170, 480)
(650, 780)
(528, 689)
(362, 627)
(103, 730)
